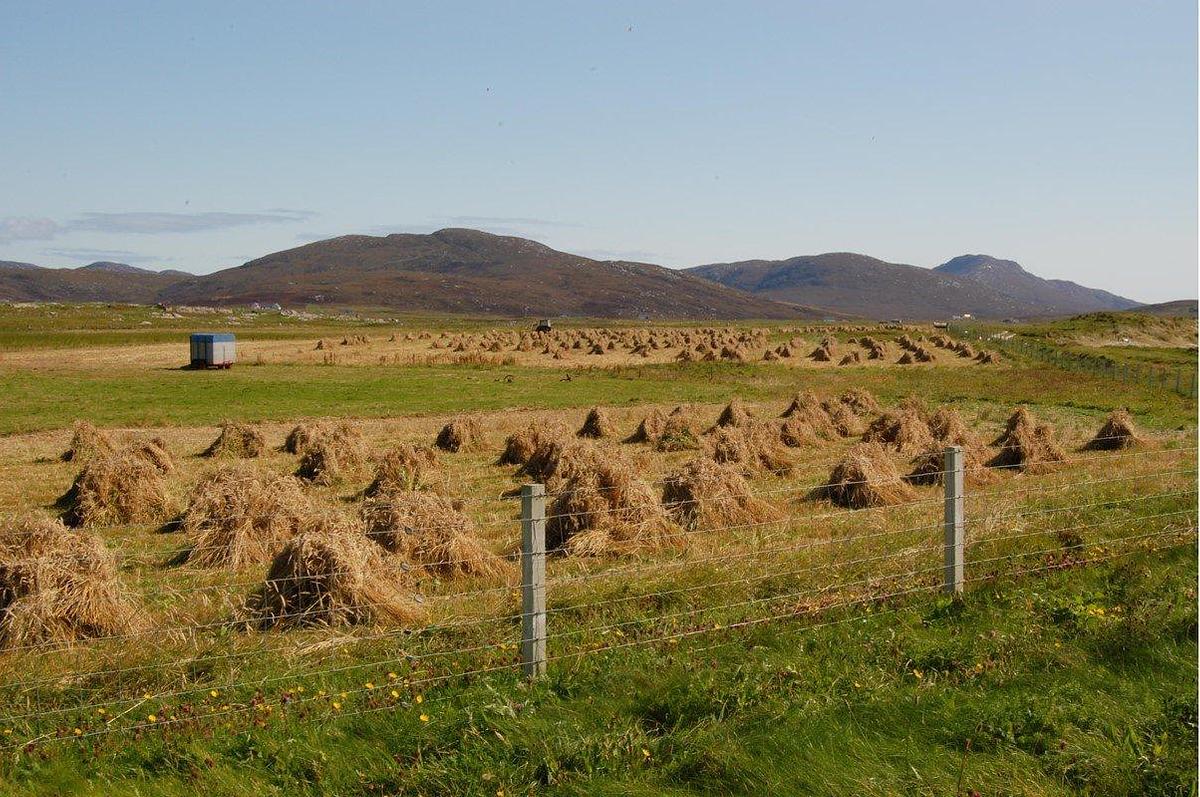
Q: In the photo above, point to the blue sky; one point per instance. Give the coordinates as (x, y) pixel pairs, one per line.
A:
(199, 135)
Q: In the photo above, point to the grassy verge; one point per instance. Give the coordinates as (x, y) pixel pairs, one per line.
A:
(1082, 682)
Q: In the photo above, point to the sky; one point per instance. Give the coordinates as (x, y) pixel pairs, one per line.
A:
(197, 136)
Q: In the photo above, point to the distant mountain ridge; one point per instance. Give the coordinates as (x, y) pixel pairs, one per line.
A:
(868, 287)
(472, 272)
(1010, 279)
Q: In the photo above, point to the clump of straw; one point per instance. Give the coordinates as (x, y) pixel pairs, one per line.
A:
(704, 494)
(865, 477)
(237, 440)
(428, 530)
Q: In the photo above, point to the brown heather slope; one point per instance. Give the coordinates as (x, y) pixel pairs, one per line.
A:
(472, 272)
(99, 282)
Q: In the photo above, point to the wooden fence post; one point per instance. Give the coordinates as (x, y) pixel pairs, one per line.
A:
(533, 580)
(952, 572)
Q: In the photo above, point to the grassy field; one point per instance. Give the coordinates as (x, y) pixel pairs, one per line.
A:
(810, 653)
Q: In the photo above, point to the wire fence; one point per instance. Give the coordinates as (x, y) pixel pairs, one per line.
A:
(193, 661)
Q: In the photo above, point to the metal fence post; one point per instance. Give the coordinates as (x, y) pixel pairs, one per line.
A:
(952, 572)
(533, 580)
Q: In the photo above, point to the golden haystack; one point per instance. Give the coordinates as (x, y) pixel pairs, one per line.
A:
(333, 454)
(154, 451)
(751, 448)
(331, 574)
(681, 432)
(603, 509)
(807, 408)
(521, 445)
(86, 442)
(556, 458)
(303, 435)
(948, 428)
(860, 401)
(237, 440)
(123, 486)
(735, 414)
(905, 429)
(407, 467)
(704, 494)
(843, 420)
(241, 515)
(650, 429)
(1118, 432)
(461, 434)
(865, 477)
(1027, 445)
(58, 585)
(428, 530)
(796, 432)
(597, 424)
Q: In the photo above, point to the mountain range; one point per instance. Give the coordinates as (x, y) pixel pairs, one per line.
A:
(472, 272)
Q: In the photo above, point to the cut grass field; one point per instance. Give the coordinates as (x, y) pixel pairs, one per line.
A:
(843, 671)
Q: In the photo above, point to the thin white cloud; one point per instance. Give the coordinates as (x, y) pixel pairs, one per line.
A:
(157, 223)
(28, 228)
(111, 255)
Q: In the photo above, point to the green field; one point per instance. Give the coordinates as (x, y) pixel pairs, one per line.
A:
(810, 653)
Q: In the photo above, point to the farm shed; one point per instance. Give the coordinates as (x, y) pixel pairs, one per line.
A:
(213, 349)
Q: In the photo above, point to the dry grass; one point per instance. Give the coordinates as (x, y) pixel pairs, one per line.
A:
(241, 515)
(239, 440)
(405, 468)
(860, 401)
(123, 486)
(1027, 444)
(521, 446)
(331, 574)
(428, 530)
(86, 442)
(58, 585)
(704, 494)
(865, 477)
(304, 435)
(333, 454)
(1118, 432)
(603, 509)
(598, 424)
(808, 409)
(461, 434)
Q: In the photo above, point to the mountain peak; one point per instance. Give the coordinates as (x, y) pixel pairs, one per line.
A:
(116, 268)
(970, 265)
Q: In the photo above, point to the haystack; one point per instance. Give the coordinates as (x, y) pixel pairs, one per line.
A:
(602, 509)
(58, 585)
(822, 354)
(86, 442)
(681, 432)
(704, 494)
(1118, 432)
(735, 414)
(406, 467)
(123, 486)
(860, 401)
(333, 454)
(154, 451)
(865, 477)
(751, 448)
(241, 515)
(796, 432)
(906, 429)
(807, 407)
(853, 358)
(556, 457)
(844, 421)
(597, 424)
(650, 428)
(237, 440)
(1027, 445)
(303, 435)
(948, 428)
(461, 434)
(428, 530)
(331, 574)
(929, 466)
(521, 445)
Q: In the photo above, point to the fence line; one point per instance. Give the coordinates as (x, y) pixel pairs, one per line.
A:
(856, 579)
